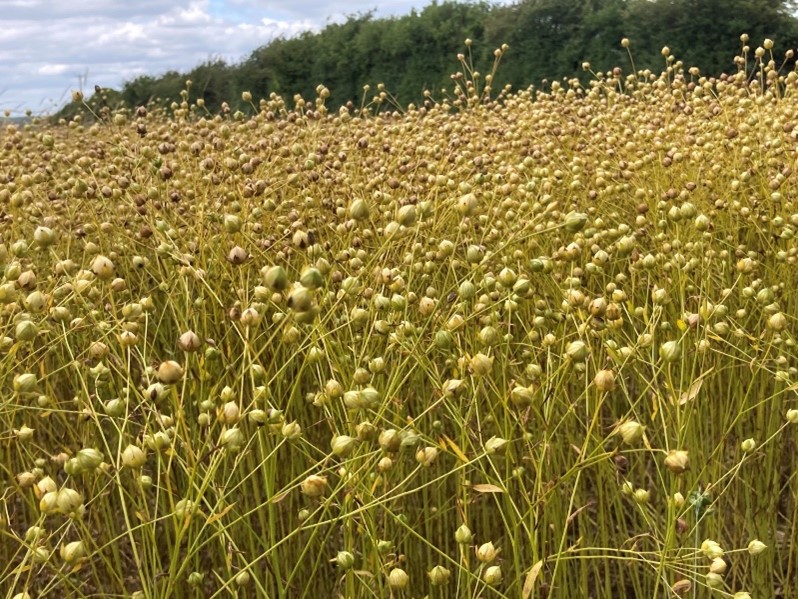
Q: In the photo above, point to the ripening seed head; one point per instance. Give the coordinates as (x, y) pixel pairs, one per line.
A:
(492, 575)
(314, 485)
(463, 535)
(486, 553)
(439, 575)
(170, 372)
(677, 461)
(398, 579)
(631, 431)
(756, 547)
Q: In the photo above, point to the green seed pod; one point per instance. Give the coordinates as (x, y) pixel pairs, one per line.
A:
(34, 534)
(232, 223)
(71, 467)
(474, 254)
(574, 221)
(406, 215)
(522, 396)
(185, 508)
(463, 535)
(577, 351)
(133, 457)
(670, 351)
(390, 440)
(521, 287)
(40, 555)
(342, 445)
(492, 575)
(467, 290)
(426, 456)
(398, 579)
(467, 205)
(702, 223)
(495, 445)
(631, 431)
(89, 459)
(486, 553)
(232, 439)
(444, 340)
(311, 278)
(358, 317)
(72, 552)
(229, 413)
(35, 302)
(489, 336)
(748, 445)
(439, 576)
(756, 547)
(714, 580)
(25, 383)
(481, 364)
(358, 210)
(300, 299)
(46, 485)
(366, 431)
(48, 504)
(26, 330)
(370, 397)
(777, 322)
(345, 560)
(158, 441)
(275, 278)
(68, 500)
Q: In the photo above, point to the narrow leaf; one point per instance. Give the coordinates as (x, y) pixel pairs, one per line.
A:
(456, 450)
(278, 498)
(487, 488)
(692, 392)
(213, 518)
(531, 577)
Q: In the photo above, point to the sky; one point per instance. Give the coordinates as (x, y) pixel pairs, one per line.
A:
(48, 48)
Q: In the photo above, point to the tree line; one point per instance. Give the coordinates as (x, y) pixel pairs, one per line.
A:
(411, 54)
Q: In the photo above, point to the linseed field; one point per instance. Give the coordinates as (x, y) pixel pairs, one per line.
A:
(499, 344)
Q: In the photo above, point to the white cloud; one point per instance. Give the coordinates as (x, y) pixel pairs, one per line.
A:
(49, 47)
(53, 69)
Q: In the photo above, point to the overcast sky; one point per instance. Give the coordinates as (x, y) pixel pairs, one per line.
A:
(50, 47)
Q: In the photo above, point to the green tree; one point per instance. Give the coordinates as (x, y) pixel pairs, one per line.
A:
(548, 39)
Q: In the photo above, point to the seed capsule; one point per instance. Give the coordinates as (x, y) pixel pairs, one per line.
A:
(314, 486)
(103, 268)
(398, 579)
(604, 381)
(72, 552)
(133, 457)
(493, 575)
(170, 372)
(677, 461)
(486, 553)
(631, 431)
(439, 576)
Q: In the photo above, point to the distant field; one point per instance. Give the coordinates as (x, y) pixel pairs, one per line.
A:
(534, 344)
